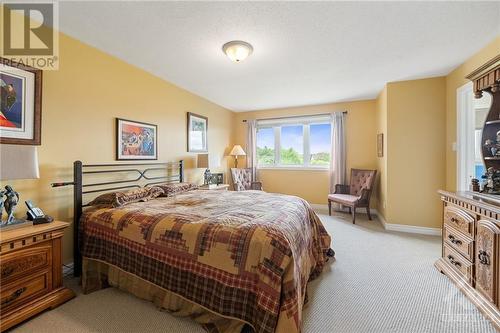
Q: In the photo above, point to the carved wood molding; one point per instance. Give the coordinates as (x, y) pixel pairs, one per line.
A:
(486, 77)
(474, 206)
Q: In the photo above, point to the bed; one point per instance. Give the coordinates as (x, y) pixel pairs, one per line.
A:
(233, 261)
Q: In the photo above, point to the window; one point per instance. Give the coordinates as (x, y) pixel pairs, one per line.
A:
(292, 145)
(294, 142)
(472, 114)
(265, 146)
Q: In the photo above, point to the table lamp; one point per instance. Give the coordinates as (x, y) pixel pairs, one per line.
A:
(203, 163)
(16, 162)
(237, 151)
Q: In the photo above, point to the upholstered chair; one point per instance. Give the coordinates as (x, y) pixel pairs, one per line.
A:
(242, 180)
(355, 195)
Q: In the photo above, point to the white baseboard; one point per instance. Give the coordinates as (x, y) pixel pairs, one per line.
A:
(412, 229)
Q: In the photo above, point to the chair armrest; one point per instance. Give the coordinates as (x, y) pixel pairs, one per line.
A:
(256, 186)
(341, 189)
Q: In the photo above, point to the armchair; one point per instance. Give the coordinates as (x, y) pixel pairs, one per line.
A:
(355, 195)
(242, 180)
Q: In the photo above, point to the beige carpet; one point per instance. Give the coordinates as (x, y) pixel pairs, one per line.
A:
(380, 282)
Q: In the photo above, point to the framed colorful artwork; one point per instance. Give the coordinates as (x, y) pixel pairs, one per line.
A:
(136, 140)
(197, 133)
(20, 103)
(380, 145)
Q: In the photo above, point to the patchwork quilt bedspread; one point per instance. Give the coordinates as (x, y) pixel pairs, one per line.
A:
(244, 255)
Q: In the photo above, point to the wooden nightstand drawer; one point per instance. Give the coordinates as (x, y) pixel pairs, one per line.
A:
(25, 261)
(30, 272)
(23, 290)
(459, 219)
(455, 260)
(459, 242)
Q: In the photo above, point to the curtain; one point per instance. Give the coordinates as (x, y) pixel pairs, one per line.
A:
(251, 147)
(338, 151)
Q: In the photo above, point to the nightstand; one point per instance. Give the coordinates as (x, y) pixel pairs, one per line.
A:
(31, 272)
(220, 187)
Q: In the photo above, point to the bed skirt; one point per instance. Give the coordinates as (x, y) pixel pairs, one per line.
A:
(98, 275)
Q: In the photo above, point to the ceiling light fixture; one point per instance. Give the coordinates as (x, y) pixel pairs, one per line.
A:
(237, 50)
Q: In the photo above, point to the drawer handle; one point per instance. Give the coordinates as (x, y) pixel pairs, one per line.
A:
(454, 220)
(453, 261)
(15, 295)
(454, 240)
(7, 271)
(484, 258)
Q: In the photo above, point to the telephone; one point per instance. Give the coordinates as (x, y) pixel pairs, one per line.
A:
(36, 215)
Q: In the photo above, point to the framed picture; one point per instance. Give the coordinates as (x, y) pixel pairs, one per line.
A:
(197, 133)
(380, 145)
(20, 103)
(217, 178)
(136, 140)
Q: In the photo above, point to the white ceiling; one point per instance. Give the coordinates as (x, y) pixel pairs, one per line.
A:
(304, 53)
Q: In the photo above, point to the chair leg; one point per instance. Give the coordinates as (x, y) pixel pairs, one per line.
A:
(354, 215)
(368, 213)
(329, 208)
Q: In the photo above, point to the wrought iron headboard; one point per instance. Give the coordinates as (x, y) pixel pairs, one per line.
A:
(174, 173)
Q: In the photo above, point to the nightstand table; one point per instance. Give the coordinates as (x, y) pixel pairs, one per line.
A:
(31, 272)
(220, 187)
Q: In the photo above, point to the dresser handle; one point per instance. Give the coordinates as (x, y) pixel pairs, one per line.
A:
(454, 241)
(7, 271)
(454, 220)
(15, 295)
(453, 261)
(483, 257)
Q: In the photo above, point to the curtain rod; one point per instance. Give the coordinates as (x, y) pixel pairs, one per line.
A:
(298, 116)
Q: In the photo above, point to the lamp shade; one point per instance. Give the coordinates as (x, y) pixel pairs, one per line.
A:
(18, 162)
(202, 161)
(237, 151)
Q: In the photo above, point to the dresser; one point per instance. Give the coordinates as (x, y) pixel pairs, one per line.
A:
(471, 248)
(31, 272)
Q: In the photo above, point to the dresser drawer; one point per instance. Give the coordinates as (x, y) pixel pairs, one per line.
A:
(460, 243)
(459, 219)
(22, 262)
(23, 290)
(457, 261)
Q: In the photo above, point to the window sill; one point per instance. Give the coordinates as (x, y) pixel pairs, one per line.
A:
(291, 168)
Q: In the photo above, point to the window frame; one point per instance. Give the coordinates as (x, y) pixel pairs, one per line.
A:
(306, 123)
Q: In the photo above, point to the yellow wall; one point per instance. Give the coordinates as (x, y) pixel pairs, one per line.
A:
(314, 185)
(415, 151)
(80, 103)
(454, 80)
(381, 116)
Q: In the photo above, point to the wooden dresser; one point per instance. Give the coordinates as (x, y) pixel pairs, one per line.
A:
(31, 272)
(471, 249)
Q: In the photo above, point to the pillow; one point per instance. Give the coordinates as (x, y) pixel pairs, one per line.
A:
(122, 198)
(176, 188)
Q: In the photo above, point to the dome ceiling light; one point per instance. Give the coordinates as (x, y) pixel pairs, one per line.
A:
(237, 50)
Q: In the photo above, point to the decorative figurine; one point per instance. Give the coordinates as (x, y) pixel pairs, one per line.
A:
(11, 201)
(2, 193)
(491, 146)
(475, 185)
(492, 177)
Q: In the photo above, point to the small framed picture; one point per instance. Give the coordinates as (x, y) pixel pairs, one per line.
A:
(380, 145)
(20, 103)
(217, 178)
(136, 140)
(197, 133)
